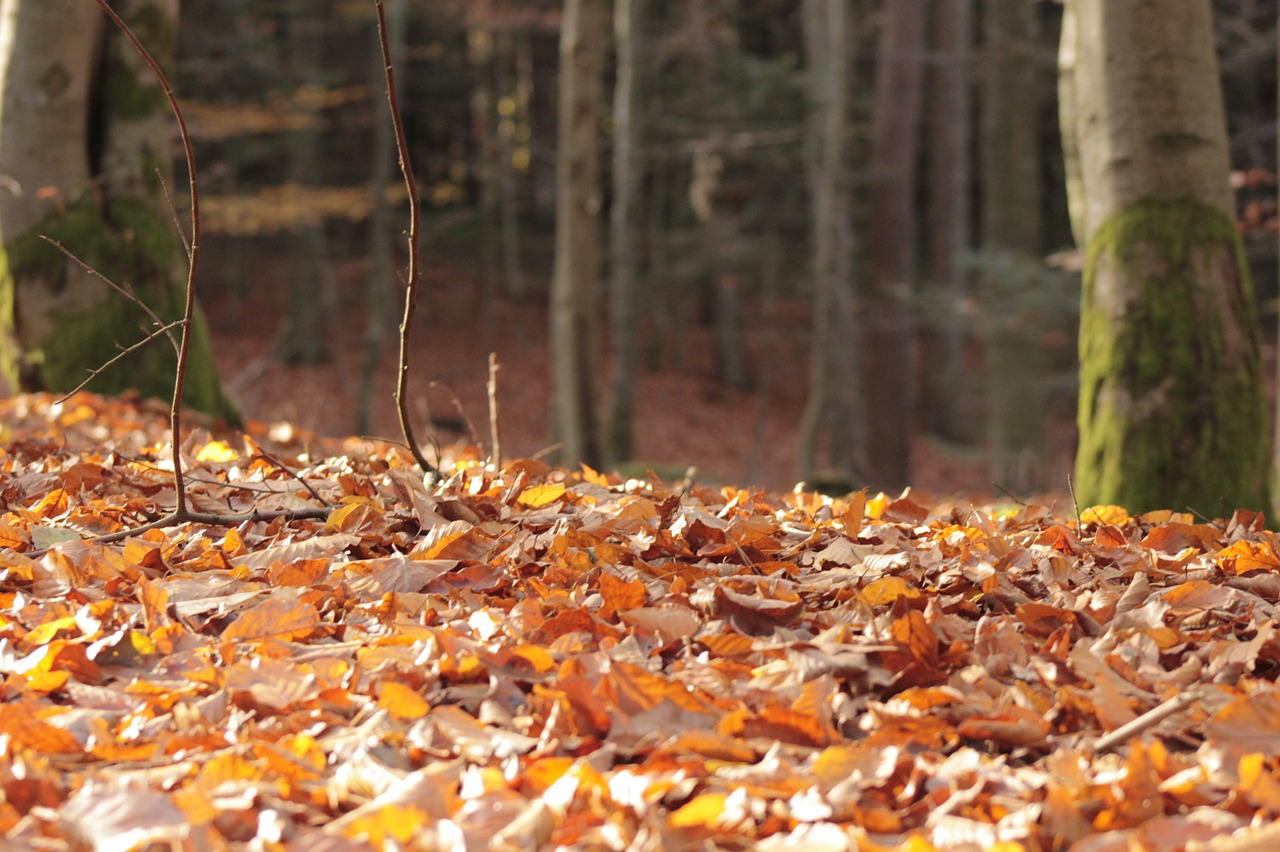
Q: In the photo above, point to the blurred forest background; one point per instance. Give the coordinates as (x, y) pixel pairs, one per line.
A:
(958, 247)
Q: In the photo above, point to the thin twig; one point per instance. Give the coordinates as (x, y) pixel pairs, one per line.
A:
(1147, 720)
(411, 285)
(462, 413)
(123, 289)
(1071, 486)
(495, 446)
(215, 519)
(124, 352)
(173, 214)
(307, 485)
(180, 512)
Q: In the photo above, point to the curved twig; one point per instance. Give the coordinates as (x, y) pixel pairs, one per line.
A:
(411, 285)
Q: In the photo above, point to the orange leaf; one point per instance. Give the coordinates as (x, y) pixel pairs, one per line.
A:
(278, 619)
(402, 702)
(620, 595)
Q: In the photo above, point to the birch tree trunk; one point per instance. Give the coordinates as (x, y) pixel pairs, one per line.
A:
(66, 81)
(575, 333)
(1172, 413)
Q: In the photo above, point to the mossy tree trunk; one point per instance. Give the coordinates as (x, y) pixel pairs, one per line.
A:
(84, 134)
(1171, 397)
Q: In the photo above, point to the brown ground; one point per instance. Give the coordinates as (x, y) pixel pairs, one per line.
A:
(683, 417)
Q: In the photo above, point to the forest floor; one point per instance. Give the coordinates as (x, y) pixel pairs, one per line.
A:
(684, 416)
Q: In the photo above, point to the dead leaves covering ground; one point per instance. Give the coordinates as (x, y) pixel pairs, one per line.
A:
(530, 658)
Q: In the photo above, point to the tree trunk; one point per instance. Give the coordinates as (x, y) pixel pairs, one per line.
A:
(628, 165)
(575, 281)
(1011, 241)
(57, 129)
(304, 338)
(949, 200)
(1171, 402)
(891, 244)
(833, 358)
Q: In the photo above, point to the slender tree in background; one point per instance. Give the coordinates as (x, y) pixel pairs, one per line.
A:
(1171, 411)
(834, 354)
(1275, 439)
(624, 274)
(83, 164)
(1011, 238)
(891, 243)
(575, 333)
(948, 215)
(310, 273)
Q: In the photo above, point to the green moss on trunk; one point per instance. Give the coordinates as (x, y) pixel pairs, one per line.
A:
(129, 244)
(1171, 410)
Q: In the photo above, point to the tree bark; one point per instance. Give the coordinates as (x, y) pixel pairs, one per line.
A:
(76, 102)
(891, 244)
(304, 340)
(575, 281)
(628, 165)
(949, 220)
(1171, 413)
(1012, 226)
(834, 353)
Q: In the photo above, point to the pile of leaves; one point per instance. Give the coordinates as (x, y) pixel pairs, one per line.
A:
(524, 657)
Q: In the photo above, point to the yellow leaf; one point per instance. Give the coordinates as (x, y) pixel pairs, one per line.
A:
(541, 495)
(886, 590)
(46, 682)
(1114, 515)
(45, 633)
(393, 822)
(705, 810)
(217, 451)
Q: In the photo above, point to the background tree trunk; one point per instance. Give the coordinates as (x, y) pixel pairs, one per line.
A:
(310, 275)
(891, 244)
(628, 167)
(57, 128)
(1012, 234)
(575, 282)
(1171, 409)
(834, 353)
(948, 216)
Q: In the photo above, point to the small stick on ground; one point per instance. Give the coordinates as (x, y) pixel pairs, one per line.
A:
(1147, 720)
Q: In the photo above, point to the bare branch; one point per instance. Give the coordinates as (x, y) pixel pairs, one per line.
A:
(123, 290)
(97, 371)
(411, 285)
(184, 346)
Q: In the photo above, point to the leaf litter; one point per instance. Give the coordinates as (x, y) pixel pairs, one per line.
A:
(532, 658)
